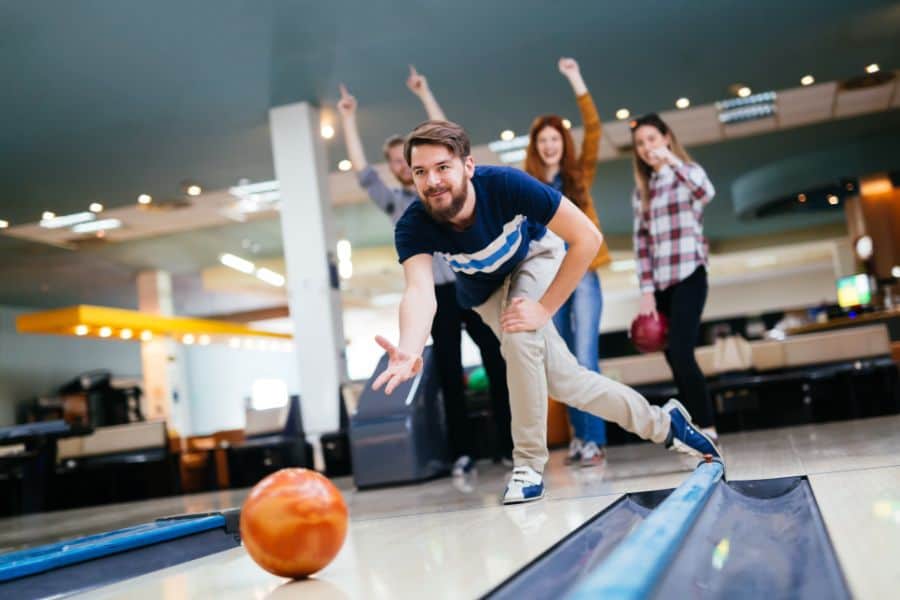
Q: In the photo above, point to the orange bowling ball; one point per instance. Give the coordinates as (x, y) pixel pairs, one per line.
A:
(294, 522)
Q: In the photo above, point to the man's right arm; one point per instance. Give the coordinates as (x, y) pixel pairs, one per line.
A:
(418, 85)
(418, 306)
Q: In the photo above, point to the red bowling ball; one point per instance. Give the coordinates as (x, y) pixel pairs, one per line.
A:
(650, 333)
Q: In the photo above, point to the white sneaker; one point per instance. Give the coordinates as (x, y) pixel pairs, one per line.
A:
(463, 465)
(592, 455)
(574, 454)
(526, 485)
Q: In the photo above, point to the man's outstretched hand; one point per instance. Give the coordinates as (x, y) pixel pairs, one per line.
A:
(402, 366)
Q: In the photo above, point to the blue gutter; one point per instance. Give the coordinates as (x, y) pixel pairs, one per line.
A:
(633, 569)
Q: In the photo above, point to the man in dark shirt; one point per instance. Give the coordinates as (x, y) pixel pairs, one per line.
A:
(446, 328)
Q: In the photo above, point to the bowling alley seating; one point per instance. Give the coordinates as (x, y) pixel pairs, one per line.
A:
(838, 374)
(118, 463)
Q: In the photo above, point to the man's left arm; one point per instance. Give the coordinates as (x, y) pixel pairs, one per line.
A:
(584, 240)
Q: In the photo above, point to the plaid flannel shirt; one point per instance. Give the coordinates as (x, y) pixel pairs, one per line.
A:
(668, 238)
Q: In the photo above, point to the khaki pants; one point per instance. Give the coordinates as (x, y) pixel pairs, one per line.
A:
(539, 364)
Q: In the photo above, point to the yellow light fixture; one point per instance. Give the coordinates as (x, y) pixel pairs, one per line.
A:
(65, 321)
(832, 199)
(801, 198)
(81, 330)
(126, 334)
(188, 339)
(105, 332)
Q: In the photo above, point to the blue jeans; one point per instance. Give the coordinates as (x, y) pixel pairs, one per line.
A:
(578, 322)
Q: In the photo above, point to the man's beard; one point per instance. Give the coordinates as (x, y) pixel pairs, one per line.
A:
(445, 214)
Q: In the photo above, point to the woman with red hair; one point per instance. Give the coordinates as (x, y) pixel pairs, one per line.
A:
(552, 157)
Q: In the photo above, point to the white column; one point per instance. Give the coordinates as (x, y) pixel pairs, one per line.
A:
(162, 359)
(309, 251)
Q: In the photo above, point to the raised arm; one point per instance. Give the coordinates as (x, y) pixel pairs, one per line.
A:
(417, 309)
(590, 146)
(418, 85)
(347, 109)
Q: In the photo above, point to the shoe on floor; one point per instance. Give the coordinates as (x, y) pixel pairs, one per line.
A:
(463, 466)
(684, 436)
(525, 485)
(592, 455)
(574, 454)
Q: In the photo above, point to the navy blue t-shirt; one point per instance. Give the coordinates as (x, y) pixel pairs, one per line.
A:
(512, 208)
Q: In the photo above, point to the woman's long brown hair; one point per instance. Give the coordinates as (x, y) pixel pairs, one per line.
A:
(643, 171)
(569, 169)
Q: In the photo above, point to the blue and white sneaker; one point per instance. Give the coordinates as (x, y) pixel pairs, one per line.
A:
(684, 436)
(463, 466)
(526, 485)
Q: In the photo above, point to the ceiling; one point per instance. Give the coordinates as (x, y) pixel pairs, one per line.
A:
(105, 101)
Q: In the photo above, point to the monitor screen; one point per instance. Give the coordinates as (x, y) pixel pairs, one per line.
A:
(854, 290)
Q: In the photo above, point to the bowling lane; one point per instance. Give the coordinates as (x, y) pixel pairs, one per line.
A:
(459, 554)
(861, 510)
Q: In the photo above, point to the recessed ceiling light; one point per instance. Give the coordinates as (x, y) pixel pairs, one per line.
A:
(94, 226)
(105, 332)
(873, 68)
(145, 199)
(204, 340)
(807, 80)
(234, 342)
(744, 91)
(801, 198)
(682, 103)
(194, 190)
(345, 269)
(327, 131)
(146, 336)
(895, 271)
(345, 165)
(48, 215)
(188, 338)
(126, 334)
(4, 224)
(96, 207)
(67, 220)
(81, 330)
(506, 135)
(567, 123)
(832, 199)
(270, 277)
(622, 114)
(237, 263)
(344, 250)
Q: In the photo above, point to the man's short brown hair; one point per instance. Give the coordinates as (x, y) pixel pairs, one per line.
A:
(394, 140)
(442, 133)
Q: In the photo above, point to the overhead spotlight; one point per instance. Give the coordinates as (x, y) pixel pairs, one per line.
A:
(270, 277)
(237, 263)
(81, 330)
(345, 269)
(895, 271)
(146, 335)
(126, 334)
(327, 131)
(48, 215)
(234, 342)
(145, 199)
(105, 332)
(682, 103)
(193, 190)
(567, 123)
(507, 135)
(801, 198)
(832, 199)
(187, 339)
(807, 80)
(204, 340)
(872, 68)
(345, 165)
(622, 114)
(744, 91)
(4, 224)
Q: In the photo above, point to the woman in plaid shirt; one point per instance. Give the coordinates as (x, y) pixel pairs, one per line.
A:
(671, 193)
